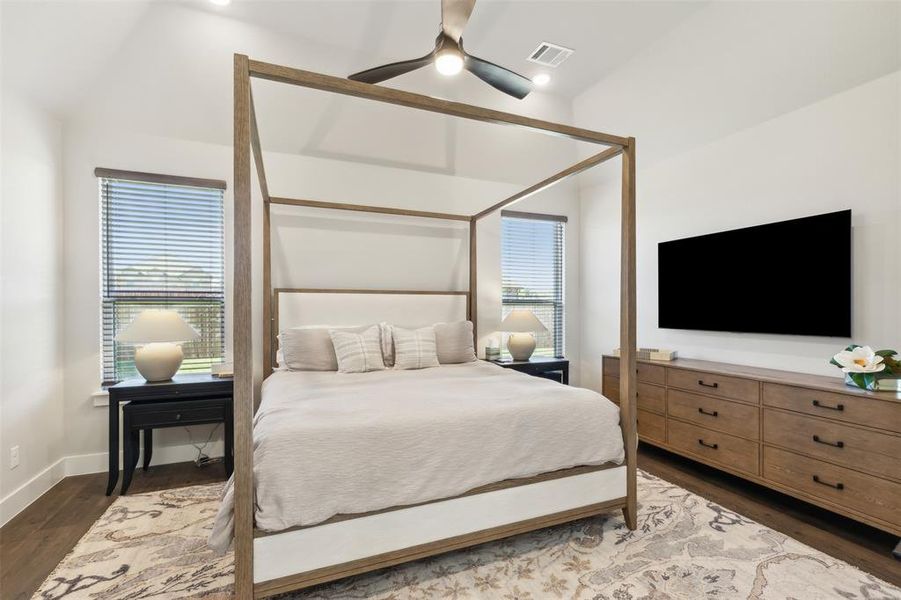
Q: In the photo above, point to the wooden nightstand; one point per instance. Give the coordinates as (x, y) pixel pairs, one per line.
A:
(556, 369)
(193, 399)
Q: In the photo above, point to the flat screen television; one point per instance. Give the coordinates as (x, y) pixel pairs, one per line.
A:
(791, 277)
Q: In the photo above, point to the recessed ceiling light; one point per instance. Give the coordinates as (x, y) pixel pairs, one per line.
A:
(541, 79)
(221, 2)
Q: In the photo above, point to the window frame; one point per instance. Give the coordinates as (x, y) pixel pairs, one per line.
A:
(559, 301)
(108, 345)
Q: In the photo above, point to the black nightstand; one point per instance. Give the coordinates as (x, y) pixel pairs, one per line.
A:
(556, 369)
(193, 399)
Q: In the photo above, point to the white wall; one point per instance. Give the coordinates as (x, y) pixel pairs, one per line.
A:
(795, 112)
(31, 335)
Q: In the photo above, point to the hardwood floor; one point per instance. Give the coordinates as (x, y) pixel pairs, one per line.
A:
(38, 538)
(865, 547)
(34, 542)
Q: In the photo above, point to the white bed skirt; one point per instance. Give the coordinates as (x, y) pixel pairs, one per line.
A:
(301, 550)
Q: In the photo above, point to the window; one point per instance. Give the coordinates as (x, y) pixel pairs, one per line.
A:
(532, 273)
(161, 247)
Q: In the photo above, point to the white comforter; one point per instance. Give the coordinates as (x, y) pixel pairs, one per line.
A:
(329, 443)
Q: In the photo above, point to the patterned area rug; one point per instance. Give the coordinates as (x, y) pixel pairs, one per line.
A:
(153, 546)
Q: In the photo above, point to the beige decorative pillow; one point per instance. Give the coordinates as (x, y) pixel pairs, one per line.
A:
(310, 348)
(454, 342)
(415, 349)
(358, 352)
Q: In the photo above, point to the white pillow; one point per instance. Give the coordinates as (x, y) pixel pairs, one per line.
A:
(358, 352)
(415, 349)
(310, 348)
(454, 342)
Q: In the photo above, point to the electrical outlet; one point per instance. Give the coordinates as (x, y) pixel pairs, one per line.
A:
(13, 457)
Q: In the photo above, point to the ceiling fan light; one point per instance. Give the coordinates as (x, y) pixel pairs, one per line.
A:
(449, 62)
(541, 79)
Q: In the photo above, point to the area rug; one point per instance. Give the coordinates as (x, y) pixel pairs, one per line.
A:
(153, 546)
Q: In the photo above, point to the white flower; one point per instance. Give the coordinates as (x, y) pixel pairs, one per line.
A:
(859, 360)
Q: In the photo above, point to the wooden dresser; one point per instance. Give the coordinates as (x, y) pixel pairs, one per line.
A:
(808, 436)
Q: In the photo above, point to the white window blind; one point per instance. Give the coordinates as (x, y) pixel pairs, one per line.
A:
(532, 273)
(162, 246)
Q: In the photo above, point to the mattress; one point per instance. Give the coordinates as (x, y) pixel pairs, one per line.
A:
(328, 443)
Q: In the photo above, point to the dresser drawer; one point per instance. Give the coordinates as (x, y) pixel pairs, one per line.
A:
(651, 426)
(860, 449)
(647, 373)
(650, 397)
(717, 385)
(652, 373)
(610, 388)
(870, 495)
(840, 407)
(722, 415)
(174, 413)
(722, 448)
(611, 366)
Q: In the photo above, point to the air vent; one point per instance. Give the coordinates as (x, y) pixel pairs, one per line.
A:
(550, 55)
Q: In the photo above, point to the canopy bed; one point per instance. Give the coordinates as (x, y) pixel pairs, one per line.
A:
(276, 553)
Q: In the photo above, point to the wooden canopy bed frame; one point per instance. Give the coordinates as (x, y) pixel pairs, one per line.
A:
(246, 149)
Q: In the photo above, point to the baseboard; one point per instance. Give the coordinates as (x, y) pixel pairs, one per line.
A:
(19, 499)
(84, 464)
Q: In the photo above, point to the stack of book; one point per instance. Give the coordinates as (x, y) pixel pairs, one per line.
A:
(652, 354)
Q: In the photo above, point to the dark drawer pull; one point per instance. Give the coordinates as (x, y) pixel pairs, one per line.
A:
(709, 414)
(706, 445)
(836, 407)
(838, 486)
(710, 385)
(817, 439)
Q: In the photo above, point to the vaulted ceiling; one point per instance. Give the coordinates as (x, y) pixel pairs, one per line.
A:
(164, 68)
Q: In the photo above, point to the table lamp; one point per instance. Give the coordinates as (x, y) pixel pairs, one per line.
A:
(158, 333)
(520, 323)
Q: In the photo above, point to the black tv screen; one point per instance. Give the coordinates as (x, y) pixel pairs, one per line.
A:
(791, 277)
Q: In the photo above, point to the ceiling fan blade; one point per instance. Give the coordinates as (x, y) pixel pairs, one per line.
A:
(496, 76)
(454, 16)
(378, 74)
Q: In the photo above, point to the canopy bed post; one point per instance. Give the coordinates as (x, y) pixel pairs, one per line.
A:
(268, 309)
(267, 247)
(242, 328)
(473, 306)
(628, 365)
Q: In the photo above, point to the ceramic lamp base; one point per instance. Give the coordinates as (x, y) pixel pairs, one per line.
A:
(158, 361)
(521, 345)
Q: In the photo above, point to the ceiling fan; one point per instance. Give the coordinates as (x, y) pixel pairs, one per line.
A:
(449, 57)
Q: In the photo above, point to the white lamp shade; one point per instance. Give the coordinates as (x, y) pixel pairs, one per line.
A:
(522, 320)
(157, 325)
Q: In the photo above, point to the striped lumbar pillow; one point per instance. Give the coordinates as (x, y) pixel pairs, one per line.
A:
(415, 349)
(358, 352)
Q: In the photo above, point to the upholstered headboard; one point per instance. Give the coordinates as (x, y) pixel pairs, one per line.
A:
(293, 307)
